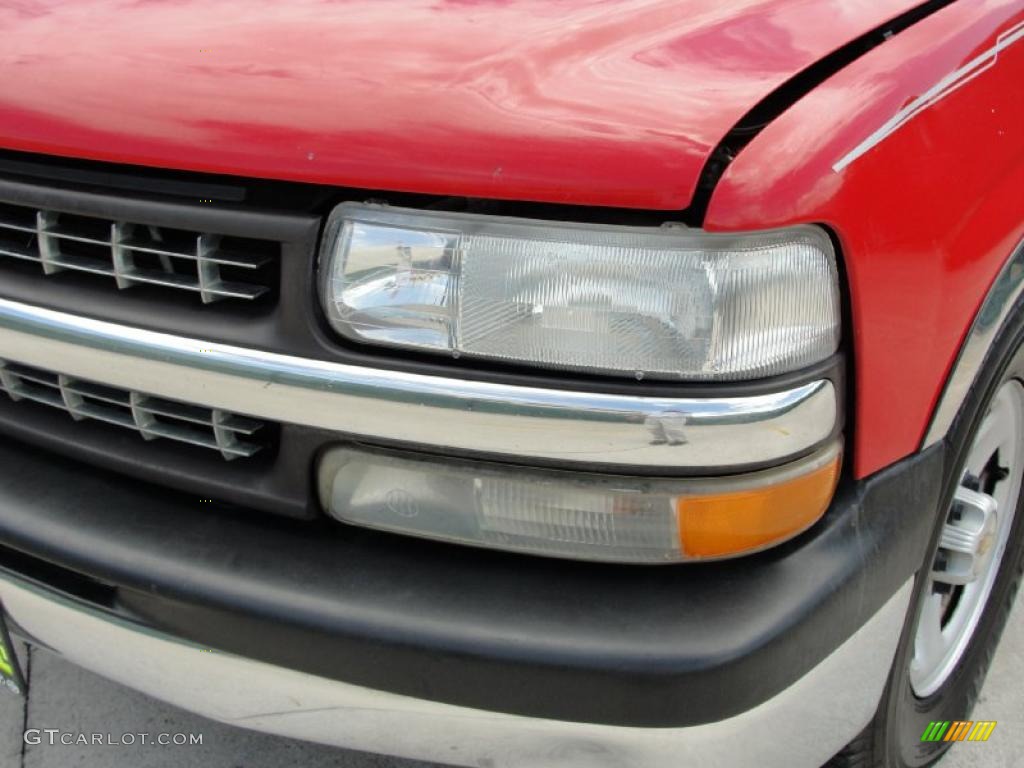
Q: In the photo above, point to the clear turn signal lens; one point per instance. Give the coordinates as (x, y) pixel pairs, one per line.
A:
(574, 515)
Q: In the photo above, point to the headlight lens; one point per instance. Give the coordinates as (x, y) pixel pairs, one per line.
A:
(664, 302)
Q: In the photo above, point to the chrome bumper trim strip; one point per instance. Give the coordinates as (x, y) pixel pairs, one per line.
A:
(616, 431)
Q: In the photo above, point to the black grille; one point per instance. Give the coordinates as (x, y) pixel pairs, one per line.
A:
(151, 417)
(187, 240)
(211, 266)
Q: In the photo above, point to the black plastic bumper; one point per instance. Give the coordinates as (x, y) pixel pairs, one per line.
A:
(655, 646)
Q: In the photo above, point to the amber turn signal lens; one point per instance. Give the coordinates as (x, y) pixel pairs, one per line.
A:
(725, 524)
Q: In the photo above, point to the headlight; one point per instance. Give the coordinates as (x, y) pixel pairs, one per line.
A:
(664, 302)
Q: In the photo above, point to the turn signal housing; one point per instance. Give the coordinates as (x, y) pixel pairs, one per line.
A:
(577, 515)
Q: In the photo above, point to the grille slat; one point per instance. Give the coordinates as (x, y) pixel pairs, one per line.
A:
(196, 415)
(30, 374)
(61, 234)
(77, 263)
(212, 290)
(17, 227)
(142, 246)
(7, 251)
(109, 395)
(36, 394)
(108, 415)
(228, 258)
(152, 417)
(241, 425)
(137, 254)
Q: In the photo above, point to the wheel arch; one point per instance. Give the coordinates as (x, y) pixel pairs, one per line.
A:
(1000, 302)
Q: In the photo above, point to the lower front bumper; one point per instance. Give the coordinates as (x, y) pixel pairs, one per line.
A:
(427, 650)
(802, 725)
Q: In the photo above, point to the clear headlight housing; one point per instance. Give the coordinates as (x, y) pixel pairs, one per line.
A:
(664, 302)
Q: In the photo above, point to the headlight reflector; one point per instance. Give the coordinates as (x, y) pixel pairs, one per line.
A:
(665, 302)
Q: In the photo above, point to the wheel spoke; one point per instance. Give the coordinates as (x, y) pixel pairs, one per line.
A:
(990, 435)
(929, 646)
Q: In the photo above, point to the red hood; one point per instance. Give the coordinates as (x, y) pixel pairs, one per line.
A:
(602, 102)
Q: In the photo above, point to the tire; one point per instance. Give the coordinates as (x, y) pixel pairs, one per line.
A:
(913, 698)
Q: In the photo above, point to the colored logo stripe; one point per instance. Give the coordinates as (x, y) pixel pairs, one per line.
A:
(982, 730)
(958, 730)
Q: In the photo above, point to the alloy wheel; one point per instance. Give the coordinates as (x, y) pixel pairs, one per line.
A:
(972, 543)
